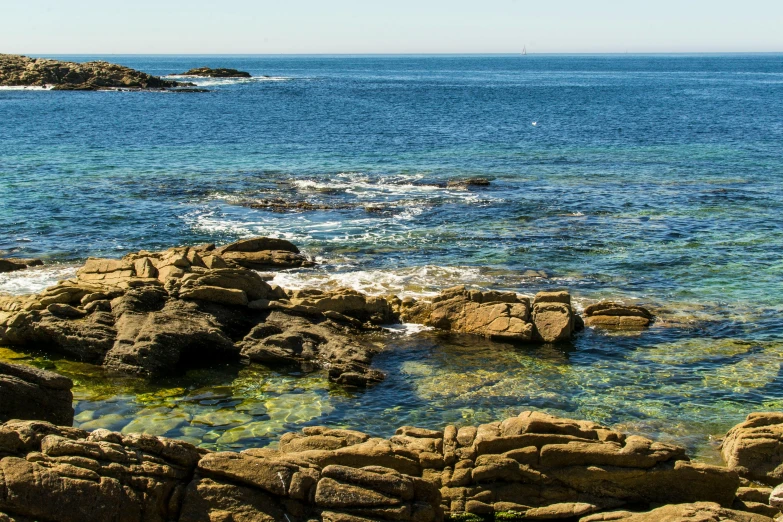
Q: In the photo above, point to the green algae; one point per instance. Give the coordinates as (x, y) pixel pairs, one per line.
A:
(666, 384)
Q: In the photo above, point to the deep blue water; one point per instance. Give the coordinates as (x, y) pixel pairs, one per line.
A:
(648, 177)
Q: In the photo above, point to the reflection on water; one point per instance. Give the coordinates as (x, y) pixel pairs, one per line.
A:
(665, 384)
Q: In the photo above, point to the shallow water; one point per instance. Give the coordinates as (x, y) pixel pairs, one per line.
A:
(657, 179)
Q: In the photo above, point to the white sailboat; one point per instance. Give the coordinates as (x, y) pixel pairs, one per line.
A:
(524, 50)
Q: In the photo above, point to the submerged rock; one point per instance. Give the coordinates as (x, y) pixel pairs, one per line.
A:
(216, 73)
(468, 183)
(609, 314)
(16, 70)
(32, 394)
(536, 465)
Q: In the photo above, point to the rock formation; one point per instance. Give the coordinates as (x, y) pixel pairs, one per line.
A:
(155, 312)
(32, 394)
(216, 73)
(754, 448)
(532, 467)
(18, 70)
(14, 264)
(499, 316)
(615, 315)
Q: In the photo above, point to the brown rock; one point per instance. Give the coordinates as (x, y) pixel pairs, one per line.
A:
(617, 315)
(31, 394)
(754, 448)
(501, 316)
(553, 321)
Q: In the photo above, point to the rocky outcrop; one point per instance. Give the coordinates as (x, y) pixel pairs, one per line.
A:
(18, 70)
(758, 500)
(608, 314)
(754, 448)
(534, 465)
(14, 264)
(32, 394)
(215, 73)
(154, 313)
(500, 316)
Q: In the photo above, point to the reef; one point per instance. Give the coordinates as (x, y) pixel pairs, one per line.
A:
(17, 70)
(530, 467)
(153, 313)
(216, 73)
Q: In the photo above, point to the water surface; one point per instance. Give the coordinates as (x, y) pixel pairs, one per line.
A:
(653, 178)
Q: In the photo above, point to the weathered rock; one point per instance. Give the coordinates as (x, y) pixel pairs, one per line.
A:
(553, 316)
(502, 316)
(696, 512)
(14, 264)
(311, 344)
(346, 302)
(609, 314)
(215, 73)
(21, 70)
(343, 475)
(31, 394)
(754, 448)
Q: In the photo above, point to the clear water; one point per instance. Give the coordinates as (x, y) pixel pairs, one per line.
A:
(658, 179)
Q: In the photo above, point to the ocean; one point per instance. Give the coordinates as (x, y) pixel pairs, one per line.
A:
(655, 179)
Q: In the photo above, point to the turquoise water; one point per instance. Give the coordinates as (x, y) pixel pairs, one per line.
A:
(657, 179)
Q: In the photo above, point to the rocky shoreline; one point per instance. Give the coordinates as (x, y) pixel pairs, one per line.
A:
(153, 313)
(530, 467)
(17, 70)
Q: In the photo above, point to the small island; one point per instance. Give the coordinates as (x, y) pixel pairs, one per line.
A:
(23, 71)
(216, 73)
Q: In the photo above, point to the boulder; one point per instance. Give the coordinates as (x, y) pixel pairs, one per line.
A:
(285, 339)
(502, 316)
(553, 316)
(345, 302)
(754, 448)
(614, 315)
(31, 394)
(14, 264)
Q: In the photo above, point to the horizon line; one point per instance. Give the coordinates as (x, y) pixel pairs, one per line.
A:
(517, 53)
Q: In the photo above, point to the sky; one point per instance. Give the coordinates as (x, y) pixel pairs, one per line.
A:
(41, 27)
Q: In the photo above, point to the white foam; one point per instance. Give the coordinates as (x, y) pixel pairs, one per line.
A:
(407, 329)
(417, 282)
(25, 88)
(35, 279)
(201, 81)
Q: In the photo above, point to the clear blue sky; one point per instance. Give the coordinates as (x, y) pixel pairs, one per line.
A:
(399, 26)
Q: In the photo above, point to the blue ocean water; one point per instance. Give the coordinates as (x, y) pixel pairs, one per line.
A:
(657, 179)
